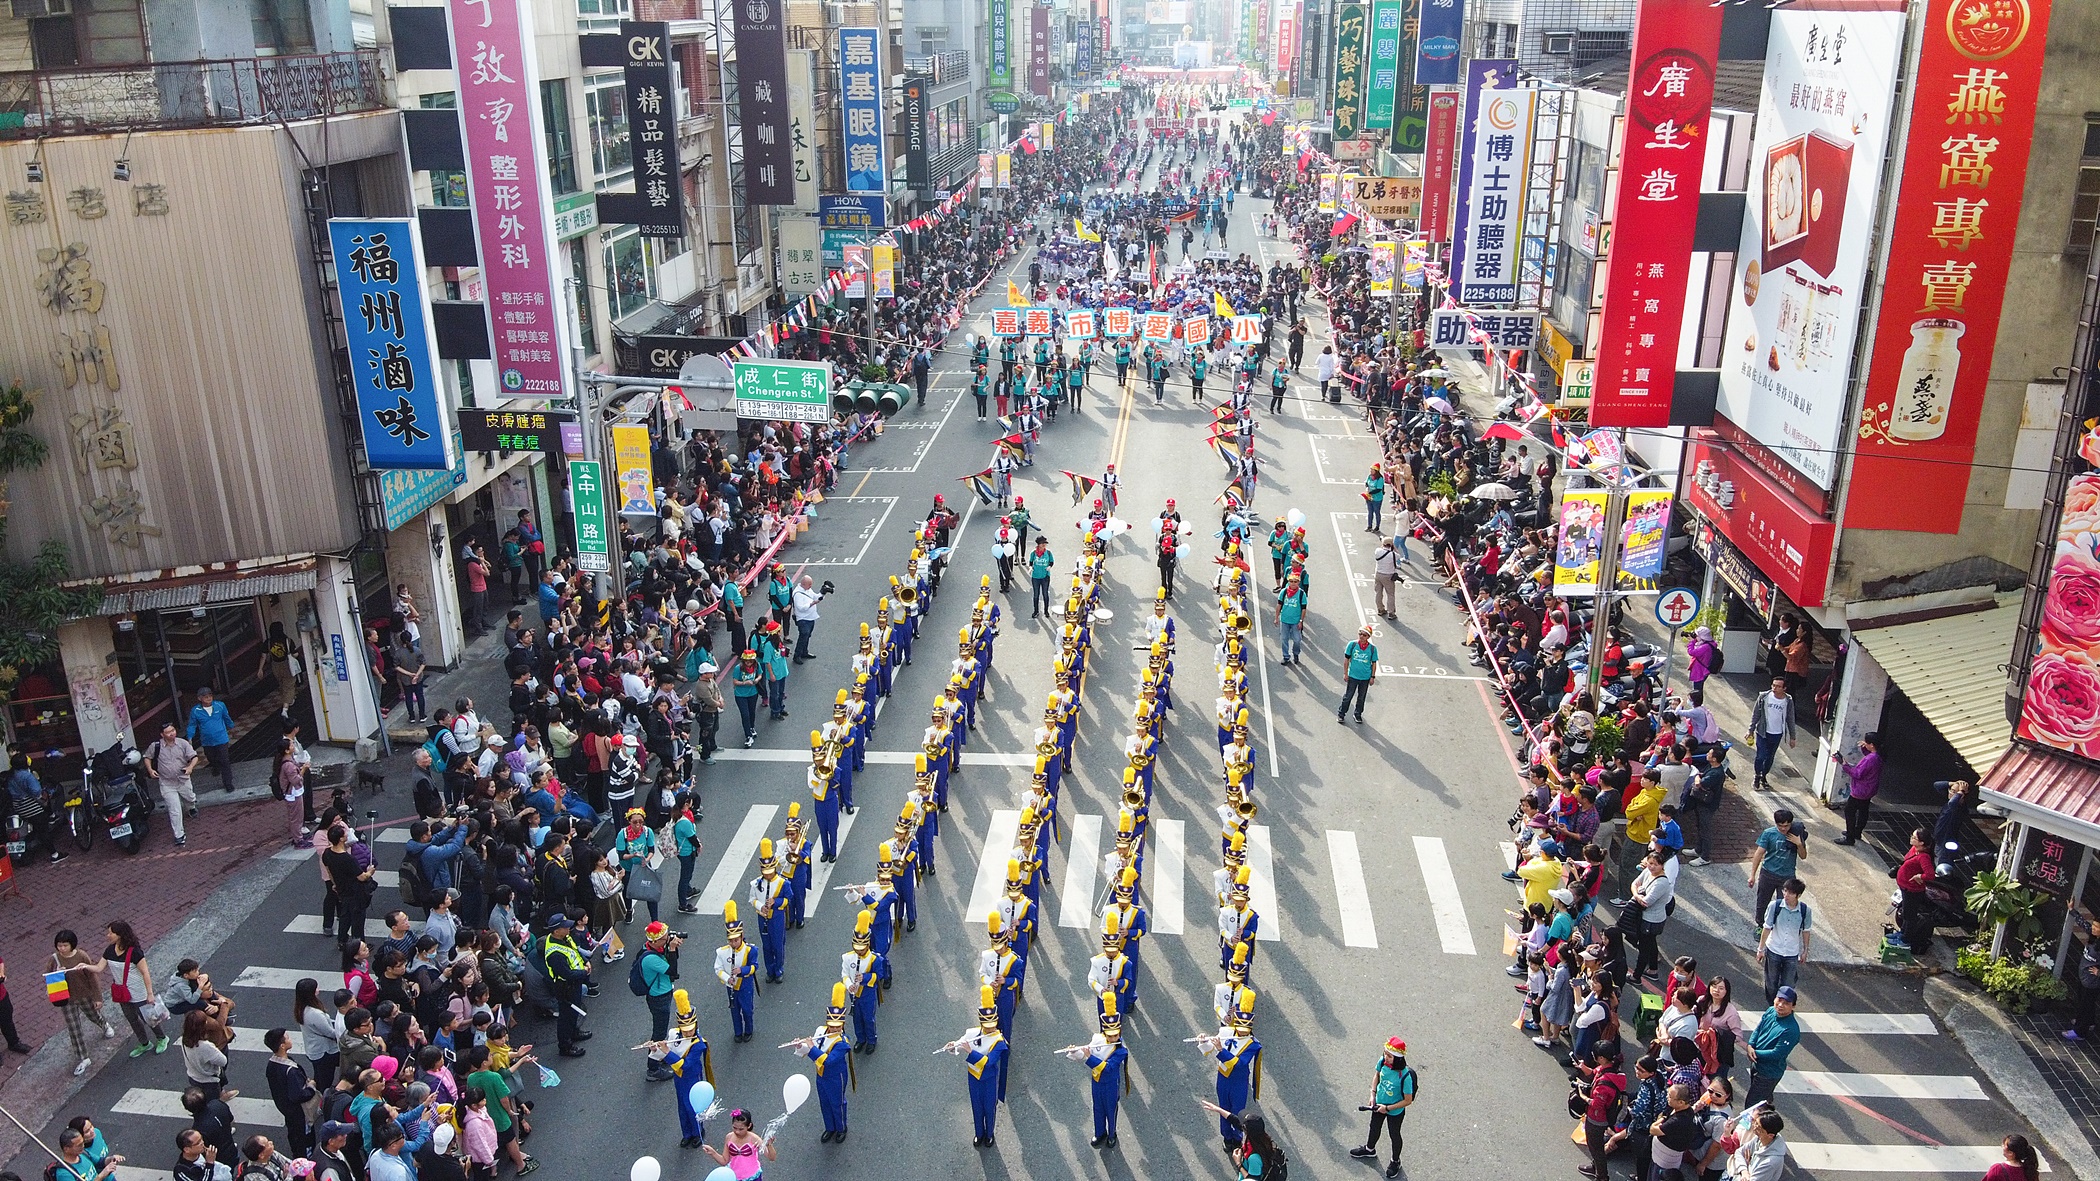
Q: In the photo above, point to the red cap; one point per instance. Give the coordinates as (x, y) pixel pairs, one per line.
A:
(1394, 1045)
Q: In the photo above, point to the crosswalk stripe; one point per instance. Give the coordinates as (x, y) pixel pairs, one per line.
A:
(1913, 1024)
(1897, 1158)
(310, 924)
(129, 1173)
(722, 886)
(1509, 854)
(1881, 1086)
(991, 866)
(1261, 884)
(391, 836)
(820, 872)
(1445, 904)
(389, 878)
(1359, 929)
(1163, 903)
(287, 979)
(168, 1105)
(250, 1041)
(1082, 865)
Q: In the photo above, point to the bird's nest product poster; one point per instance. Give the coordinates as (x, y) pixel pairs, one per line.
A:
(1822, 129)
(2061, 704)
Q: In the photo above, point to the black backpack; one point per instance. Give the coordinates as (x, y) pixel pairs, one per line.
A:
(415, 888)
(635, 983)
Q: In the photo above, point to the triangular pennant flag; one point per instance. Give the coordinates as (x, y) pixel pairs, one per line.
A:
(1224, 309)
(1012, 443)
(980, 483)
(1081, 485)
(1014, 298)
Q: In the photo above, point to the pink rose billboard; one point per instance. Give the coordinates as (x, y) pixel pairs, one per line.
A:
(2061, 707)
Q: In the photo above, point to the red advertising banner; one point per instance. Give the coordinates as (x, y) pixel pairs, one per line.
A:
(1286, 40)
(1039, 50)
(1788, 544)
(1437, 165)
(1669, 99)
(1950, 250)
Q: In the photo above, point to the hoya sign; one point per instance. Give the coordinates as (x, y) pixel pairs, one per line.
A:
(788, 391)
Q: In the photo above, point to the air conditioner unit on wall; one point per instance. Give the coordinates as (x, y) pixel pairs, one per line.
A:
(32, 9)
(1560, 42)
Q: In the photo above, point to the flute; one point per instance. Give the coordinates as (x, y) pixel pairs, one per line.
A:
(1069, 1049)
(955, 1047)
(800, 1043)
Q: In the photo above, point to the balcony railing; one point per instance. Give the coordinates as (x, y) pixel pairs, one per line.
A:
(941, 67)
(171, 95)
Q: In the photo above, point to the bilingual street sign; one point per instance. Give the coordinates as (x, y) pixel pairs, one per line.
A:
(593, 542)
(787, 391)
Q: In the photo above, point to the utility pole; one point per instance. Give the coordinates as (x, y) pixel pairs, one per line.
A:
(1607, 580)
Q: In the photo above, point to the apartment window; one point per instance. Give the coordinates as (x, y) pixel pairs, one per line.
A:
(629, 277)
(561, 136)
(2085, 203)
(448, 190)
(605, 103)
(281, 26)
(580, 270)
(604, 8)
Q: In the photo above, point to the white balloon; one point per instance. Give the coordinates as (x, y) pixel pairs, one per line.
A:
(723, 1173)
(1294, 518)
(645, 1169)
(795, 1092)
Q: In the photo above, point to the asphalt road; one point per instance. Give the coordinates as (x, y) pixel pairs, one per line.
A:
(1383, 838)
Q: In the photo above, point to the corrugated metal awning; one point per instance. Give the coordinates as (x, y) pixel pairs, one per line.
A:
(199, 590)
(1948, 667)
(2050, 791)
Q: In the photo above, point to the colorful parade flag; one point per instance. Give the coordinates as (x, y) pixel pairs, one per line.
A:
(1014, 297)
(981, 484)
(1224, 309)
(1014, 444)
(1085, 235)
(1081, 485)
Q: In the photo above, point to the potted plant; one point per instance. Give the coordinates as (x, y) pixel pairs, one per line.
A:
(2025, 973)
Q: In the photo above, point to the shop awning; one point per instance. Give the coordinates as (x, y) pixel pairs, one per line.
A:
(207, 587)
(1949, 667)
(2050, 791)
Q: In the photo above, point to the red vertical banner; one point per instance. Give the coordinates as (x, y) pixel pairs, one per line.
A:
(1950, 251)
(1669, 100)
(1039, 50)
(1437, 165)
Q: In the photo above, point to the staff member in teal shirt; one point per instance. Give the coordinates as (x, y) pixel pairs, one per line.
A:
(1362, 658)
(745, 679)
(1040, 563)
(1374, 498)
(1290, 616)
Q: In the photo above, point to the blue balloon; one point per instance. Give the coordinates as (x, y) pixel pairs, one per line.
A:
(700, 1095)
(724, 1173)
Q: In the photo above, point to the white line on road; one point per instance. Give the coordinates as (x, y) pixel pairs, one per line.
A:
(1896, 1158)
(1881, 1086)
(168, 1105)
(1445, 904)
(1350, 893)
(1075, 906)
(285, 979)
(1509, 856)
(1261, 883)
(722, 885)
(1341, 541)
(1320, 463)
(1164, 900)
(820, 871)
(391, 836)
(1914, 1024)
(867, 539)
(991, 866)
(310, 924)
(1261, 664)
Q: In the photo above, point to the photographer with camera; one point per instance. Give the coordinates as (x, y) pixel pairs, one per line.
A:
(806, 597)
(654, 977)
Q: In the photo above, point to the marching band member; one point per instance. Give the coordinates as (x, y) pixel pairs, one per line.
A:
(769, 898)
(828, 1049)
(926, 818)
(985, 1052)
(935, 743)
(1237, 921)
(860, 970)
(1017, 916)
(1106, 1059)
(881, 896)
(795, 854)
(998, 967)
(1130, 917)
(736, 969)
(837, 739)
(904, 875)
(965, 672)
(1107, 971)
(1238, 1057)
(1224, 996)
(824, 796)
(687, 1058)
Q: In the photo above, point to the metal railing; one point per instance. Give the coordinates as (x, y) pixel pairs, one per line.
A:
(941, 67)
(174, 95)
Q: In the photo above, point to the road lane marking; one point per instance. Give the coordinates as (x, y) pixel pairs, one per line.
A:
(1168, 867)
(1075, 907)
(1913, 1024)
(991, 866)
(284, 979)
(1261, 883)
(1896, 1158)
(729, 874)
(1347, 546)
(1350, 893)
(820, 871)
(1320, 461)
(1881, 1086)
(867, 538)
(168, 1105)
(1261, 666)
(310, 924)
(1445, 904)
(898, 758)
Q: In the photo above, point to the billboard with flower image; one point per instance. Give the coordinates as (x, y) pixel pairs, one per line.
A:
(2061, 705)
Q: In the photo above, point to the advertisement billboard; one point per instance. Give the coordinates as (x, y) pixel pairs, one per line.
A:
(860, 97)
(1950, 250)
(1439, 157)
(1492, 168)
(1039, 49)
(1384, 79)
(917, 171)
(1410, 96)
(762, 102)
(1669, 99)
(392, 348)
(1815, 178)
(1351, 43)
(999, 46)
(1436, 54)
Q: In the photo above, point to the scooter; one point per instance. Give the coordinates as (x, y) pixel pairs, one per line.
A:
(117, 800)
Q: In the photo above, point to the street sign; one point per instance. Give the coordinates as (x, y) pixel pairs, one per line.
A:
(513, 430)
(593, 543)
(789, 391)
(1677, 607)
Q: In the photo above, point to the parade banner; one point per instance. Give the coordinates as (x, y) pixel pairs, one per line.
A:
(390, 344)
(1081, 325)
(761, 102)
(1048, 137)
(1944, 285)
(1669, 98)
(1006, 321)
(1328, 182)
(1350, 45)
(1492, 171)
(1381, 265)
(985, 170)
(1645, 540)
(1037, 321)
(861, 98)
(1385, 64)
(1159, 327)
(883, 270)
(1195, 331)
(1436, 55)
(507, 180)
(1578, 552)
(856, 286)
(1437, 163)
(1246, 329)
(1414, 260)
(1118, 322)
(1006, 170)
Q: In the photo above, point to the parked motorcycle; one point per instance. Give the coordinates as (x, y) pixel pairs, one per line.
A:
(119, 804)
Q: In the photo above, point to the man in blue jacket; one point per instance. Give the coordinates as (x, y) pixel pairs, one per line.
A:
(435, 856)
(211, 731)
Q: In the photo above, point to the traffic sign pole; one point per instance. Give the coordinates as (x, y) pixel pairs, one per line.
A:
(1674, 609)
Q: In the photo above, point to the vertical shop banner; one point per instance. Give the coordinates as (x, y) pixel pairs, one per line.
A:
(1351, 42)
(1046, 137)
(860, 97)
(1436, 53)
(801, 256)
(657, 204)
(856, 268)
(1286, 41)
(882, 269)
(1645, 541)
(762, 102)
(1438, 157)
(1801, 264)
(632, 474)
(593, 538)
(1083, 50)
(2060, 705)
(918, 173)
(985, 170)
(999, 46)
(1670, 99)
(499, 106)
(1492, 168)
(1579, 550)
(802, 125)
(1039, 50)
(1384, 79)
(392, 348)
(1410, 97)
(1950, 251)
(1381, 264)
(1006, 170)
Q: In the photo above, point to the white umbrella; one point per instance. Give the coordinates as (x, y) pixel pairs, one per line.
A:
(1493, 492)
(1424, 373)
(1439, 405)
